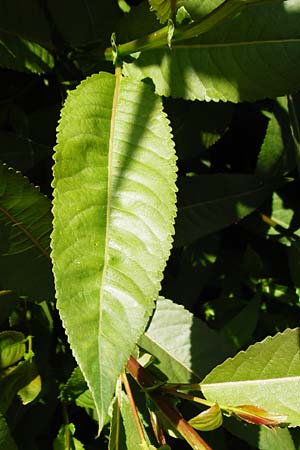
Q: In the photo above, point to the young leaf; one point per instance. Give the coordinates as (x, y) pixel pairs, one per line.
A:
(208, 203)
(6, 440)
(208, 420)
(164, 9)
(114, 209)
(25, 226)
(174, 337)
(235, 61)
(258, 416)
(266, 375)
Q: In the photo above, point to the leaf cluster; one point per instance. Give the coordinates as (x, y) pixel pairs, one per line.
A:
(174, 131)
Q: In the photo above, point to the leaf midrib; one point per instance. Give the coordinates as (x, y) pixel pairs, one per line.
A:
(222, 198)
(251, 382)
(193, 46)
(108, 206)
(25, 231)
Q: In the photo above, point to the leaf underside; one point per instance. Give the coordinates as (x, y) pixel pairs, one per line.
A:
(114, 208)
(266, 375)
(236, 61)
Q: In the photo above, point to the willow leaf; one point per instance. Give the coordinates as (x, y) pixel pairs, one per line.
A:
(25, 226)
(114, 209)
(238, 60)
(266, 375)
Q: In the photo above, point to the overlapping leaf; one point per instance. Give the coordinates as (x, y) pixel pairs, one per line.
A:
(207, 203)
(266, 375)
(114, 209)
(174, 337)
(25, 226)
(236, 61)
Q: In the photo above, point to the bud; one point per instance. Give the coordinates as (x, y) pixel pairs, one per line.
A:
(258, 416)
(208, 420)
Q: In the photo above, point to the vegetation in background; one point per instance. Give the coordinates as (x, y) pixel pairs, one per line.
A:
(150, 279)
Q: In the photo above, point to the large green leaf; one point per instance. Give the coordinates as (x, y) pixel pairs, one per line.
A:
(238, 60)
(208, 203)
(267, 375)
(174, 337)
(25, 226)
(114, 210)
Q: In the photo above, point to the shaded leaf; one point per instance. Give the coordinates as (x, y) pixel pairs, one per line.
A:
(12, 348)
(8, 302)
(208, 203)
(241, 327)
(81, 22)
(117, 438)
(6, 440)
(294, 112)
(133, 438)
(261, 437)
(14, 379)
(276, 156)
(66, 440)
(114, 207)
(30, 392)
(173, 337)
(265, 375)
(25, 20)
(235, 61)
(19, 54)
(21, 152)
(75, 386)
(25, 225)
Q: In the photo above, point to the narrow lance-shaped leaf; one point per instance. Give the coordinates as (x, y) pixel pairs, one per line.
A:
(114, 210)
(265, 376)
(238, 60)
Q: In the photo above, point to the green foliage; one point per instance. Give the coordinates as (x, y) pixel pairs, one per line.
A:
(105, 350)
(268, 366)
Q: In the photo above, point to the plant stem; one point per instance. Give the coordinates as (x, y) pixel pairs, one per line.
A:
(159, 38)
(133, 407)
(146, 381)
(192, 398)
